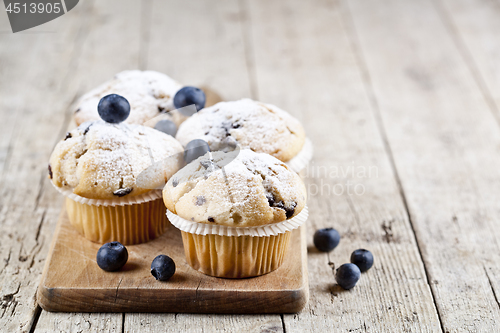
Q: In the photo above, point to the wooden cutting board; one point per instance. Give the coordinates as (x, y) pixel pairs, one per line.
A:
(72, 281)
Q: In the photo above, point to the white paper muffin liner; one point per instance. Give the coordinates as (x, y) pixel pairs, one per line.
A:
(222, 230)
(138, 199)
(302, 159)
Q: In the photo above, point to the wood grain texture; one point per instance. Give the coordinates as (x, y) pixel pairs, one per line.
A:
(35, 92)
(474, 25)
(73, 282)
(433, 73)
(444, 140)
(193, 323)
(53, 322)
(109, 43)
(313, 73)
(200, 43)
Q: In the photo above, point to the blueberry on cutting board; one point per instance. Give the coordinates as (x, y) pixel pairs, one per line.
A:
(162, 267)
(112, 256)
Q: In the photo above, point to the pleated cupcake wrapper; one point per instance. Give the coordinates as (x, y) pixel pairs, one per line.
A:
(128, 224)
(222, 230)
(138, 199)
(302, 159)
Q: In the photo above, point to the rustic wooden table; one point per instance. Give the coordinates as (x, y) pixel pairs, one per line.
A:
(400, 98)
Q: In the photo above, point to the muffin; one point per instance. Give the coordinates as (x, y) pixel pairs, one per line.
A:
(149, 93)
(263, 128)
(112, 175)
(235, 212)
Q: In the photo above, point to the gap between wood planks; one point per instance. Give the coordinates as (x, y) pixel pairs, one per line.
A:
(464, 52)
(350, 29)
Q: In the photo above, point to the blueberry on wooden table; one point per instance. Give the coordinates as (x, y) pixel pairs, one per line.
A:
(112, 256)
(113, 108)
(162, 267)
(363, 259)
(326, 239)
(166, 126)
(194, 149)
(189, 96)
(347, 276)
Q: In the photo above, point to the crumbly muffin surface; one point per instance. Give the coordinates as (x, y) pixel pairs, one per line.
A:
(148, 93)
(99, 160)
(247, 189)
(263, 128)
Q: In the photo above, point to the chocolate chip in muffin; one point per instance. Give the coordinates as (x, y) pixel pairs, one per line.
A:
(77, 110)
(122, 192)
(87, 129)
(236, 125)
(211, 219)
(200, 200)
(290, 210)
(50, 171)
(68, 136)
(175, 182)
(226, 126)
(279, 205)
(270, 199)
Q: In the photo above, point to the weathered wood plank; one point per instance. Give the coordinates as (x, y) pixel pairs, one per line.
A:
(200, 43)
(112, 44)
(136, 322)
(52, 322)
(474, 24)
(306, 64)
(444, 140)
(35, 92)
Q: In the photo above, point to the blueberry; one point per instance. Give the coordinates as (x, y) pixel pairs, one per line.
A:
(188, 96)
(162, 267)
(326, 239)
(166, 126)
(194, 149)
(347, 276)
(363, 259)
(113, 108)
(112, 256)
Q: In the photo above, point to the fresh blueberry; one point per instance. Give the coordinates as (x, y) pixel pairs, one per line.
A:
(326, 239)
(113, 108)
(166, 126)
(162, 267)
(363, 259)
(112, 256)
(188, 96)
(347, 276)
(194, 149)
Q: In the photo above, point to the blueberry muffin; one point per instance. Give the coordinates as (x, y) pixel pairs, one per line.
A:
(263, 128)
(110, 174)
(235, 211)
(148, 92)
